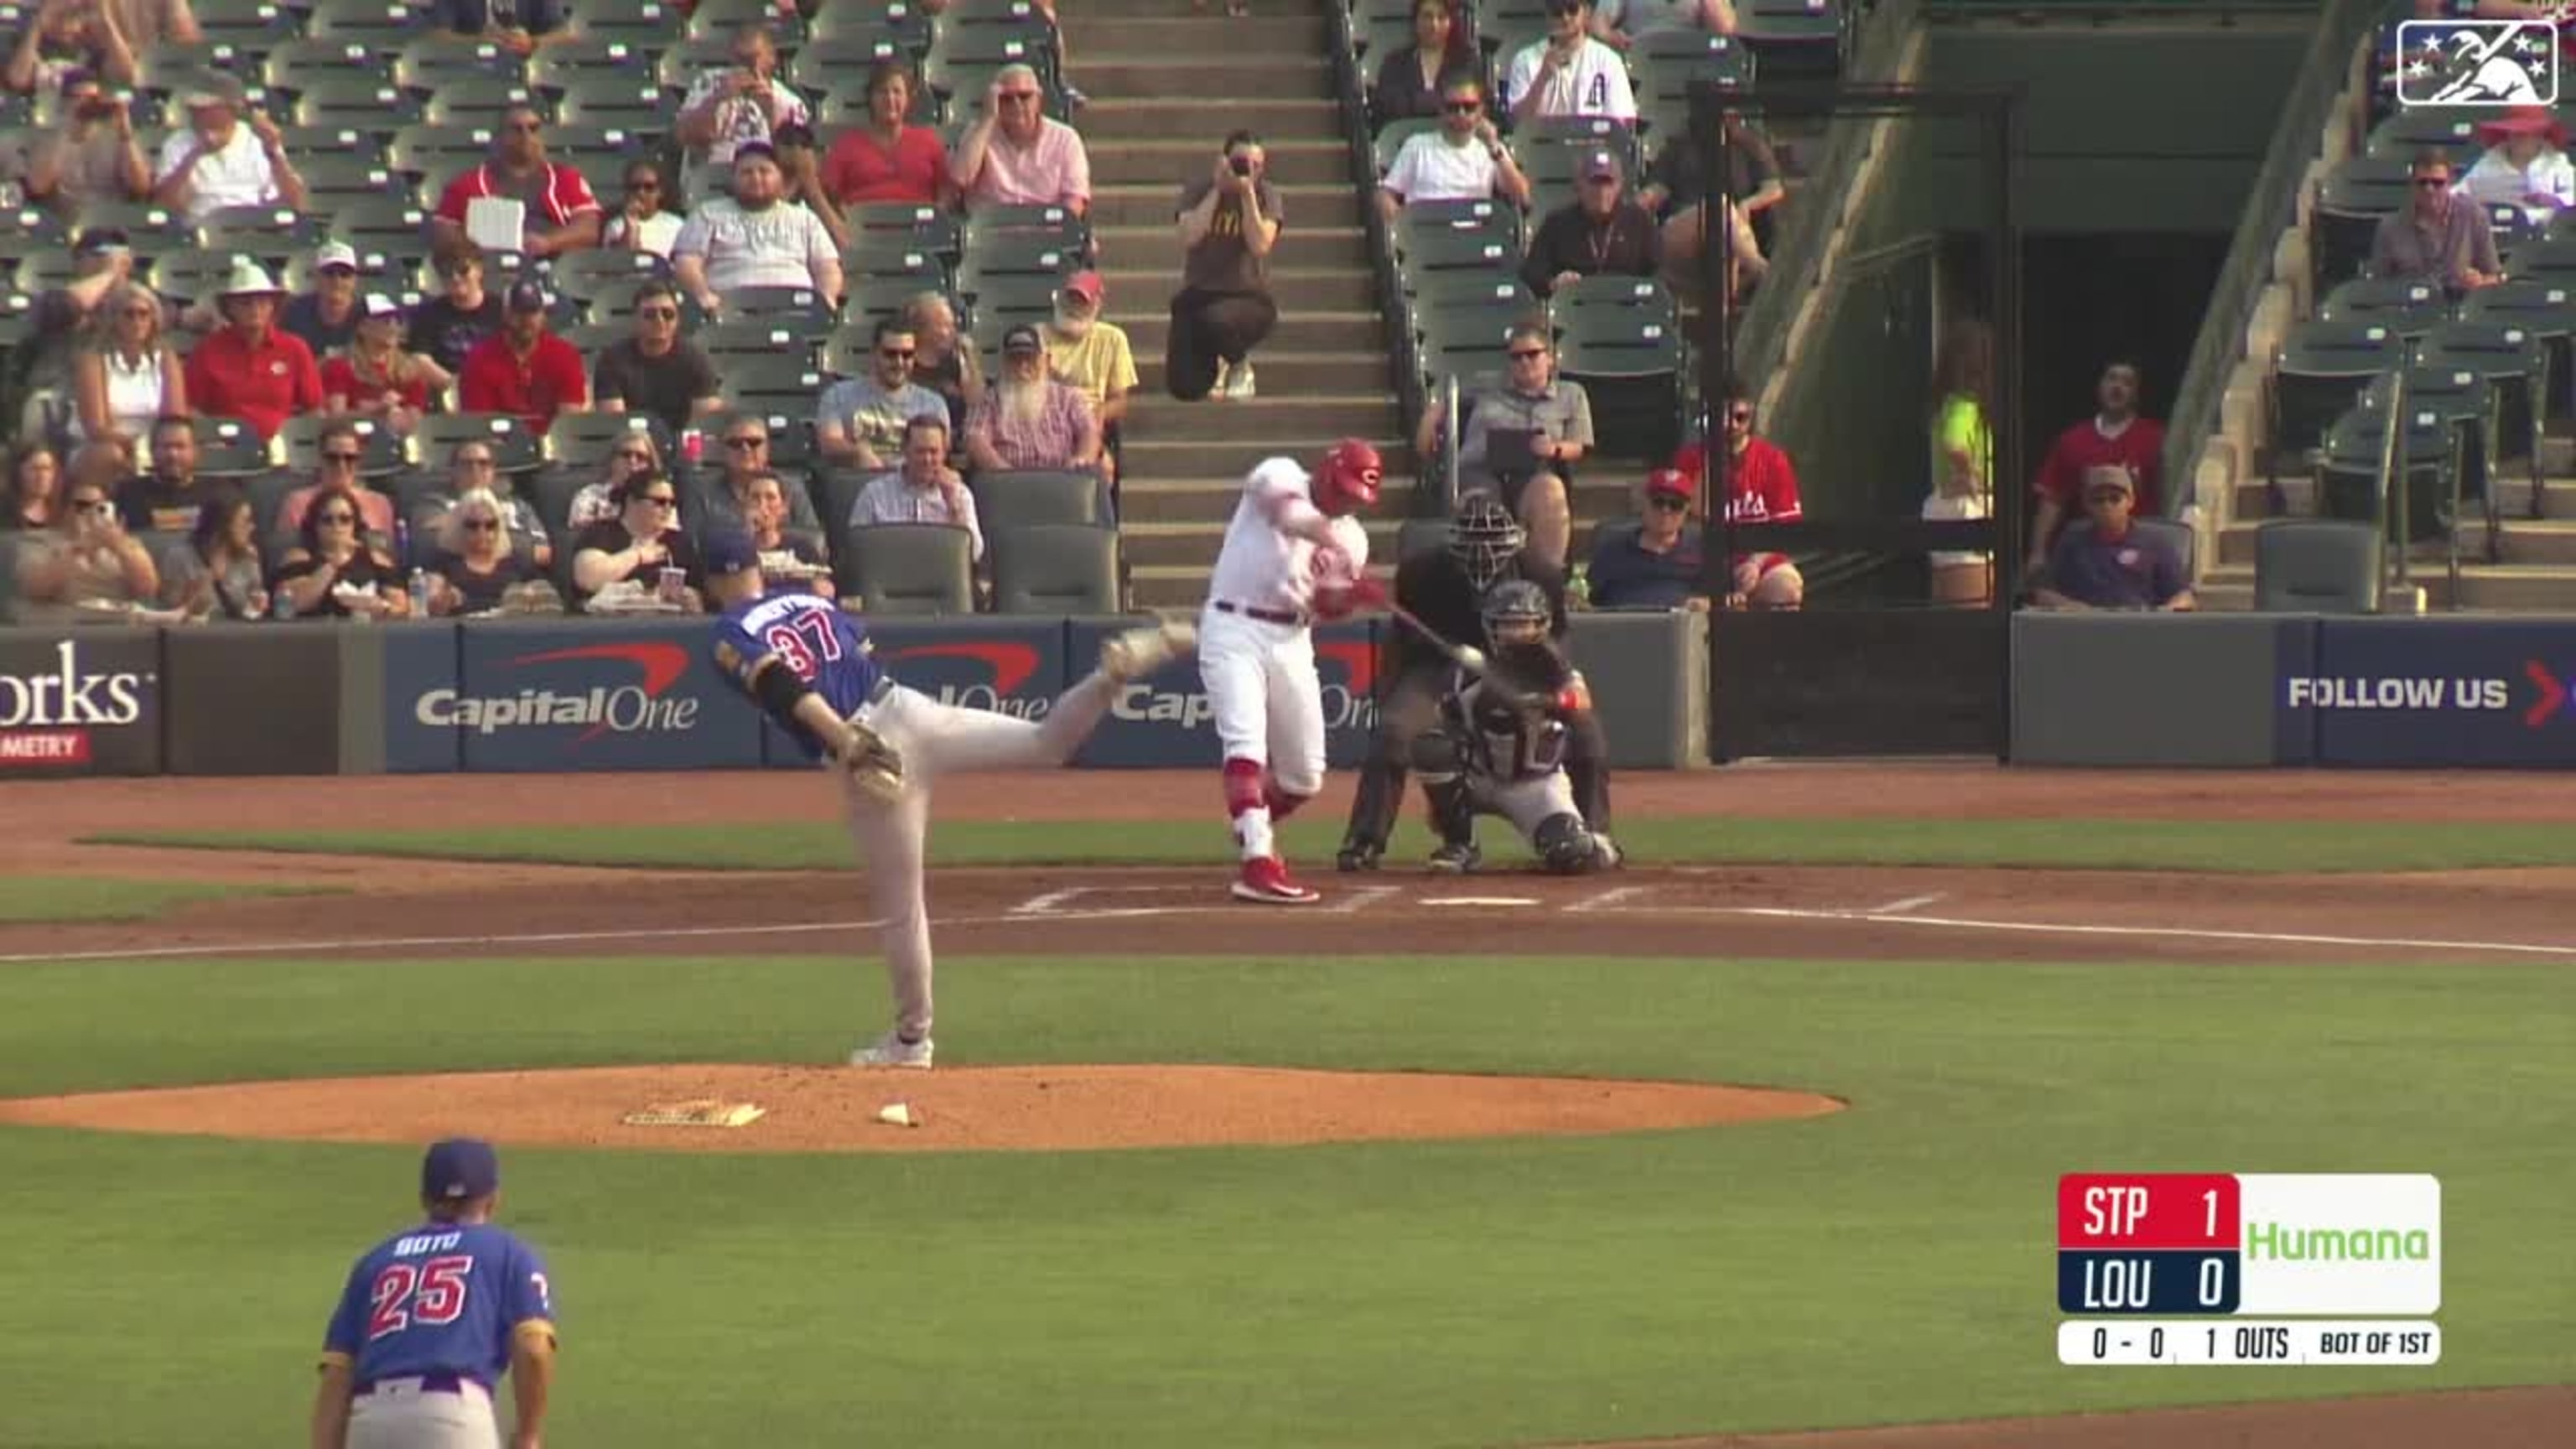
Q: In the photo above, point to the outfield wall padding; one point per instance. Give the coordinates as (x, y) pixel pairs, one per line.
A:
(2157, 690)
(1649, 679)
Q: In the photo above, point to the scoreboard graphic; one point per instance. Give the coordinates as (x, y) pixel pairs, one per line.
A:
(2249, 1268)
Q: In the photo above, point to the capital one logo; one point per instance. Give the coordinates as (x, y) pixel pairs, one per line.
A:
(1005, 666)
(635, 707)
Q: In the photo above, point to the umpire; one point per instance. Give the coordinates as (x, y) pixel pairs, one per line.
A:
(1445, 588)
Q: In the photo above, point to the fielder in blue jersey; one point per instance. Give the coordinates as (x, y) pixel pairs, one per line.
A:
(432, 1317)
(807, 665)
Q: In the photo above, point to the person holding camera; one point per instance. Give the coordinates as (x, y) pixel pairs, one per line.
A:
(1229, 225)
(87, 561)
(68, 36)
(520, 26)
(94, 156)
(743, 102)
(223, 158)
(1569, 73)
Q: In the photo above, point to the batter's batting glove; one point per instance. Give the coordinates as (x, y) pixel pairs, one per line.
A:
(1368, 593)
(875, 766)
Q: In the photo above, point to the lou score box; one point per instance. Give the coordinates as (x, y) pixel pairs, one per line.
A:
(2353, 1247)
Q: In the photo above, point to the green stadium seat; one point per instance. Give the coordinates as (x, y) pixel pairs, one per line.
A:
(2409, 308)
(363, 103)
(2320, 370)
(1018, 497)
(430, 60)
(2318, 566)
(1054, 568)
(482, 100)
(298, 64)
(905, 568)
(2514, 362)
(2349, 204)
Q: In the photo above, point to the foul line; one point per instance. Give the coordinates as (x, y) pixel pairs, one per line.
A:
(1361, 899)
(2187, 933)
(1604, 900)
(1898, 908)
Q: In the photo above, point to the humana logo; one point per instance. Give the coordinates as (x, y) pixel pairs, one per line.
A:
(2329, 1245)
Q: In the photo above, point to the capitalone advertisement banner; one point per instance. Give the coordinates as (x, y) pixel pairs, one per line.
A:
(1015, 667)
(596, 696)
(2436, 693)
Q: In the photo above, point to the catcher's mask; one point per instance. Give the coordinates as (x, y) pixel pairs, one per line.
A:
(1516, 616)
(1484, 538)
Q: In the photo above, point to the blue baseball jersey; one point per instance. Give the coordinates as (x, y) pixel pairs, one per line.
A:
(442, 1298)
(809, 636)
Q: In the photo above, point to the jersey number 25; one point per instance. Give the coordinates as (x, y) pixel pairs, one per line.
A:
(433, 1293)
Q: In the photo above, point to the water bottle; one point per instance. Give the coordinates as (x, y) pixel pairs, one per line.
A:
(280, 607)
(420, 593)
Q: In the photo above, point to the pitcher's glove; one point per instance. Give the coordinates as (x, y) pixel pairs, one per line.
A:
(875, 766)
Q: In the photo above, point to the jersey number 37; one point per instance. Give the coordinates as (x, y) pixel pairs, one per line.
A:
(432, 1293)
(806, 641)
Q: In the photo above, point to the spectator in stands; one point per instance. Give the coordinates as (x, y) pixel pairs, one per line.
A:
(637, 545)
(1464, 160)
(1413, 80)
(745, 101)
(169, 497)
(1620, 24)
(634, 456)
(149, 22)
(93, 155)
(1659, 563)
(101, 263)
(1229, 226)
(2115, 436)
(800, 181)
(327, 317)
(754, 239)
(1518, 439)
(340, 451)
(887, 158)
(218, 576)
(1017, 155)
(641, 225)
(2107, 562)
(1091, 354)
(85, 561)
(1682, 188)
(1963, 458)
(654, 370)
(2437, 238)
(785, 557)
(1030, 420)
(248, 369)
(2525, 165)
(35, 497)
(68, 36)
(558, 212)
(223, 158)
(941, 360)
(924, 490)
(472, 467)
(128, 374)
(860, 421)
(745, 459)
(1761, 487)
(525, 369)
(376, 378)
(1601, 232)
(1569, 73)
(336, 572)
(478, 558)
(449, 326)
(520, 26)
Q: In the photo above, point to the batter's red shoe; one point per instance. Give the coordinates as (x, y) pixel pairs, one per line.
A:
(1266, 882)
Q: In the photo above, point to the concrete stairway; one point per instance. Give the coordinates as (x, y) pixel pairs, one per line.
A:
(1166, 85)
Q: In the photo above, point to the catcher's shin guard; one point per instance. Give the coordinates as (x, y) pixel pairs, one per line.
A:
(1379, 793)
(1453, 807)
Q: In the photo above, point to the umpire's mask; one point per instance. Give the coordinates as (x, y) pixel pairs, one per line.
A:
(1484, 538)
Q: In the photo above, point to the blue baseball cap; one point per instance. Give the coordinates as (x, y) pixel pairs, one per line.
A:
(460, 1169)
(727, 551)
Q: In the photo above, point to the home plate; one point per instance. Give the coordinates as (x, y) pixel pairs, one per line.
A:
(1480, 900)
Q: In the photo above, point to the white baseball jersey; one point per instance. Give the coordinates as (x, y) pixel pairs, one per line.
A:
(1263, 565)
(1594, 83)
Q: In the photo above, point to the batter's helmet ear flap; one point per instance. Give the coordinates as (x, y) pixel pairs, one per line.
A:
(1352, 476)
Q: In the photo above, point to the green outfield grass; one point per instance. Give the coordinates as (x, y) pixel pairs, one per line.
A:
(28, 899)
(2252, 847)
(1893, 1262)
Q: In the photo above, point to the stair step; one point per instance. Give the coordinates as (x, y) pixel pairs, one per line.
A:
(1171, 160)
(1214, 82)
(1131, 203)
(1294, 288)
(1115, 117)
(1327, 415)
(1089, 32)
(1321, 245)
(1288, 372)
(1323, 330)
(1160, 455)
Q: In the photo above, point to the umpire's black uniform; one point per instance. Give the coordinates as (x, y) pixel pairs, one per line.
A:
(1413, 676)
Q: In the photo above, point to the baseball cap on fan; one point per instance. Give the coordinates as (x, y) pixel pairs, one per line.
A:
(460, 1169)
(726, 551)
(1670, 483)
(529, 296)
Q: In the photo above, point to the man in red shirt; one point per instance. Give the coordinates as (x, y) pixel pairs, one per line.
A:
(523, 369)
(561, 215)
(2115, 437)
(247, 368)
(1762, 487)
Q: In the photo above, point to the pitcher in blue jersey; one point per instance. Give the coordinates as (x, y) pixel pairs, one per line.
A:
(807, 665)
(432, 1317)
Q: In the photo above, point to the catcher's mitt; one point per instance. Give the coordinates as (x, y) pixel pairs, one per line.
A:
(875, 766)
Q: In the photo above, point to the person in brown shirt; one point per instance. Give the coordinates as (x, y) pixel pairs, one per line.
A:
(1229, 224)
(2437, 237)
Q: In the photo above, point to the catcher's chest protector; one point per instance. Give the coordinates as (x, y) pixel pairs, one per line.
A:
(1507, 742)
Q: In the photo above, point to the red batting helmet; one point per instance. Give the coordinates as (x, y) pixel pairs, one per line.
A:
(1349, 478)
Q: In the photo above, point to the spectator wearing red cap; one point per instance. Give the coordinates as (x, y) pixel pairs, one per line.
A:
(2525, 165)
(1761, 487)
(248, 368)
(1090, 354)
(1602, 233)
(559, 213)
(525, 369)
(887, 158)
(2115, 437)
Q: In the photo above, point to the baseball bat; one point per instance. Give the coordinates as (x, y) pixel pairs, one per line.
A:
(1465, 656)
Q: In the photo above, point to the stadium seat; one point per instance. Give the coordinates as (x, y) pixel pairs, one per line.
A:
(1420, 253)
(908, 24)
(2318, 566)
(2350, 203)
(1633, 375)
(2445, 128)
(167, 67)
(1054, 568)
(1027, 496)
(308, 144)
(683, 61)
(1667, 63)
(842, 61)
(629, 102)
(1391, 137)
(384, 24)
(2513, 361)
(2460, 398)
(390, 224)
(430, 61)
(1001, 303)
(800, 308)
(254, 25)
(1010, 266)
(1458, 291)
(364, 103)
(755, 338)
(641, 23)
(332, 181)
(2408, 308)
(481, 100)
(2548, 311)
(566, 63)
(870, 299)
(260, 231)
(2178, 536)
(297, 65)
(2353, 481)
(589, 275)
(386, 451)
(1796, 40)
(2320, 368)
(836, 492)
(516, 448)
(437, 154)
(1043, 227)
(1488, 214)
(229, 448)
(906, 568)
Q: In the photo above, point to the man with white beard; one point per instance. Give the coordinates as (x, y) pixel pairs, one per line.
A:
(1029, 420)
(754, 238)
(1089, 353)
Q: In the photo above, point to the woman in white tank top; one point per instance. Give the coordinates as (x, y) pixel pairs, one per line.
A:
(127, 375)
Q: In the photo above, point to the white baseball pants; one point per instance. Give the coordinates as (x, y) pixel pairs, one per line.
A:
(397, 1415)
(1268, 704)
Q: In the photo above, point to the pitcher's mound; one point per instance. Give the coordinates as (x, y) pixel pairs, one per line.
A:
(835, 1109)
